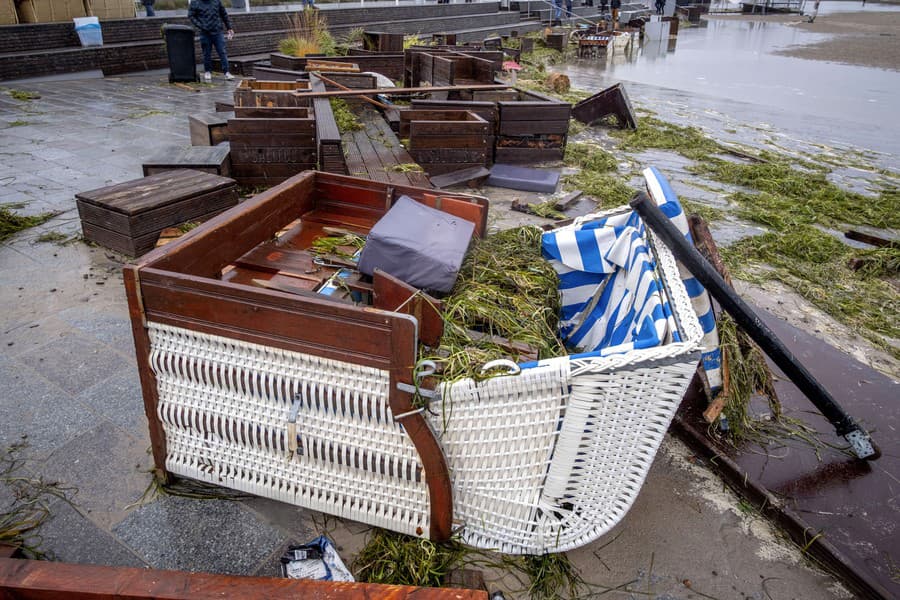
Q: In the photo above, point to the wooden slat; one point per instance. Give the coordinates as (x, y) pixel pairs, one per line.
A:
(310, 325)
(403, 91)
(218, 242)
(270, 126)
(131, 277)
(38, 580)
(394, 295)
(533, 127)
(272, 112)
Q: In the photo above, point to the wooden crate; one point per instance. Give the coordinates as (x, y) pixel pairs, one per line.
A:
(253, 92)
(329, 144)
(129, 216)
(208, 129)
(49, 11)
(446, 140)
(383, 42)
(8, 15)
(266, 151)
(209, 159)
(531, 129)
(110, 9)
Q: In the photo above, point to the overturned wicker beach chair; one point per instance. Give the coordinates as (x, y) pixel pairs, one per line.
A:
(310, 401)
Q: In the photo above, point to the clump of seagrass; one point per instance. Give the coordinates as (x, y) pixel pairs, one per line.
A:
(30, 504)
(745, 372)
(397, 559)
(506, 289)
(339, 245)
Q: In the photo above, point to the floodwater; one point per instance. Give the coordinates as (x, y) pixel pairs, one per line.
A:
(729, 66)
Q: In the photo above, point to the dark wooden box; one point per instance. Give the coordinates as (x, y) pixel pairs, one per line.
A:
(383, 42)
(446, 140)
(265, 151)
(208, 129)
(129, 216)
(531, 129)
(210, 159)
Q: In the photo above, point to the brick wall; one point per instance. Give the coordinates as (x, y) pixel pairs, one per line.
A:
(137, 44)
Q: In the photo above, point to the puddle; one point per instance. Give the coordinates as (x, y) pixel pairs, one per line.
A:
(729, 66)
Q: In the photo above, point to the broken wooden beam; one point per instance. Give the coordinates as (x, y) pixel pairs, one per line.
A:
(871, 239)
(567, 201)
(405, 90)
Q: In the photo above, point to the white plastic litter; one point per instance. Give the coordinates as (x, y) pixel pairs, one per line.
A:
(316, 560)
(88, 30)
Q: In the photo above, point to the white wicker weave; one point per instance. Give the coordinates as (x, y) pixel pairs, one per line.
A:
(546, 460)
(552, 458)
(224, 405)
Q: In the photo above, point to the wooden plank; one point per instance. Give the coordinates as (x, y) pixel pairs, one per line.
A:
(298, 141)
(39, 580)
(403, 90)
(218, 242)
(611, 101)
(270, 126)
(394, 295)
(871, 239)
(310, 324)
(275, 155)
(139, 195)
(272, 112)
(131, 278)
(516, 128)
(273, 258)
(449, 127)
(534, 111)
(452, 155)
(474, 176)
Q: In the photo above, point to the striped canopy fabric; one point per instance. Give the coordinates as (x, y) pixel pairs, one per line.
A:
(664, 196)
(612, 300)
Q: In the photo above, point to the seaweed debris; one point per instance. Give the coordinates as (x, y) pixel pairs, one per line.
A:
(345, 118)
(12, 222)
(506, 289)
(21, 519)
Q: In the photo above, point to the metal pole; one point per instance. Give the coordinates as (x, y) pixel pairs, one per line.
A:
(749, 321)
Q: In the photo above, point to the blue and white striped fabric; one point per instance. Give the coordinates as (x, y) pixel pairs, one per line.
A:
(664, 196)
(612, 301)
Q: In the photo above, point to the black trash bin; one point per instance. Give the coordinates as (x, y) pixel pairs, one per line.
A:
(180, 50)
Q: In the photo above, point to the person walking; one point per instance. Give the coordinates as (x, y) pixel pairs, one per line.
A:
(209, 17)
(660, 7)
(148, 6)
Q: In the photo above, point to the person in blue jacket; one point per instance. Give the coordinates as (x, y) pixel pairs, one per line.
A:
(148, 6)
(212, 23)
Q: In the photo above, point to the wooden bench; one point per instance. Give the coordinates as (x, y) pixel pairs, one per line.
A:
(128, 217)
(209, 159)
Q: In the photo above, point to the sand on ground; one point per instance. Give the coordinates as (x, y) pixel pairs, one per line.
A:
(869, 39)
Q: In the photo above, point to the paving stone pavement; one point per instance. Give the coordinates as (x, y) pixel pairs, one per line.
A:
(69, 389)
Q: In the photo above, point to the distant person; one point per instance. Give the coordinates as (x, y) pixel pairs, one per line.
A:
(604, 7)
(148, 6)
(660, 7)
(557, 13)
(209, 16)
(616, 5)
(308, 4)
(568, 9)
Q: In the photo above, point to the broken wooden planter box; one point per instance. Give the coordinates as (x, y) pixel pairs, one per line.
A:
(442, 141)
(309, 400)
(234, 375)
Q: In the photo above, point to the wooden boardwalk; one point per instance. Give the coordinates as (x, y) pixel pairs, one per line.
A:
(374, 152)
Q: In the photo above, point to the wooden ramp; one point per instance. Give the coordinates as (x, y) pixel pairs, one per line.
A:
(374, 152)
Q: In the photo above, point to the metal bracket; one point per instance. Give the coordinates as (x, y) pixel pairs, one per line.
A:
(292, 424)
(862, 444)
